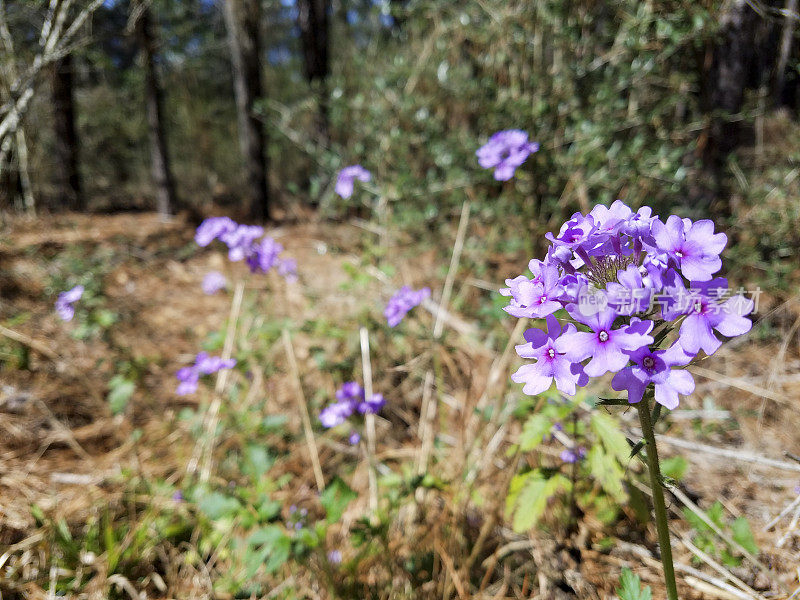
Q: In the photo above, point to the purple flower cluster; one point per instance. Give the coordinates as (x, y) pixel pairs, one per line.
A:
(244, 244)
(203, 365)
(505, 151)
(345, 181)
(592, 260)
(350, 399)
(65, 303)
(403, 301)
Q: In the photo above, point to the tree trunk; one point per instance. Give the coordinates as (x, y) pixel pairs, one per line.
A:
(154, 101)
(66, 137)
(312, 20)
(242, 20)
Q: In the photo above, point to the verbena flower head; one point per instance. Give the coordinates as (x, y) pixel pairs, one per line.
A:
(213, 282)
(505, 151)
(346, 179)
(403, 301)
(641, 297)
(245, 242)
(350, 400)
(204, 364)
(65, 303)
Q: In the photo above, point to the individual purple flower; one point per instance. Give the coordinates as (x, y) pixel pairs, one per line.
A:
(335, 414)
(373, 404)
(346, 178)
(354, 438)
(334, 557)
(177, 496)
(188, 378)
(573, 455)
(287, 268)
(213, 282)
(505, 151)
(630, 295)
(203, 365)
(65, 303)
(403, 301)
(550, 364)
(207, 364)
(605, 345)
(213, 228)
(240, 241)
(350, 391)
(531, 298)
(656, 367)
(263, 255)
(694, 247)
(705, 312)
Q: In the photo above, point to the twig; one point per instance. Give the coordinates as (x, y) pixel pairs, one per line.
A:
(725, 453)
(203, 448)
(720, 569)
(794, 504)
(301, 404)
(428, 411)
(369, 419)
(28, 341)
(742, 385)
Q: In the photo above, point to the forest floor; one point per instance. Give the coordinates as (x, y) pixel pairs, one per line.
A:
(63, 451)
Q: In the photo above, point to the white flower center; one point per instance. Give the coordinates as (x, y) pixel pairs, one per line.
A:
(679, 253)
(551, 353)
(603, 336)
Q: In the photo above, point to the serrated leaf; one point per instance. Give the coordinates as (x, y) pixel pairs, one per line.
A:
(743, 535)
(607, 429)
(630, 587)
(607, 472)
(536, 427)
(335, 499)
(530, 499)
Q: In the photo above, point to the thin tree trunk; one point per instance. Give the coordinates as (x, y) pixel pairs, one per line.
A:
(313, 22)
(242, 20)
(154, 101)
(787, 36)
(66, 138)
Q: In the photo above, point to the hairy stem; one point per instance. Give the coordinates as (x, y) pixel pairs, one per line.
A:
(662, 525)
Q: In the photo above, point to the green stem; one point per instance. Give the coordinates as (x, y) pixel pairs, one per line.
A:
(662, 525)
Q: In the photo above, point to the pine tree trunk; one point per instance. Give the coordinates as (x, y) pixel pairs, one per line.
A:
(154, 102)
(313, 22)
(242, 20)
(66, 137)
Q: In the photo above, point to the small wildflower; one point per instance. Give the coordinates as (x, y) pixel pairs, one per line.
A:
(213, 282)
(573, 455)
(212, 229)
(403, 301)
(354, 438)
(65, 304)
(334, 557)
(203, 365)
(346, 179)
(505, 151)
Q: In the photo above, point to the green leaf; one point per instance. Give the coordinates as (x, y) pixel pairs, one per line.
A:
(607, 429)
(630, 587)
(674, 467)
(529, 496)
(743, 535)
(534, 430)
(335, 499)
(608, 472)
(257, 461)
(269, 546)
(120, 392)
(216, 505)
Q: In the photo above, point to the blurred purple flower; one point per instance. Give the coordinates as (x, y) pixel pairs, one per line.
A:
(354, 438)
(213, 282)
(505, 151)
(334, 557)
(403, 301)
(213, 228)
(347, 177)
(573, 455)
(65, 303)
(203, 365)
